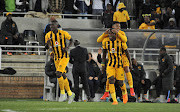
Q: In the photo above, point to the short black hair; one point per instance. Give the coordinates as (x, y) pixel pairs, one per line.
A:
(115, 22)
(163, 49)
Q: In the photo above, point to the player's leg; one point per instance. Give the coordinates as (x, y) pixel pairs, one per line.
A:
(128, 73)
(111, 78)
(120, 79)
(61, 86)
(62, 65)
(61, 83)
(130, 80)
(106, 93)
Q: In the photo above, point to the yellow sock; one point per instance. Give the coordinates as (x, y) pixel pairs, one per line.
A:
(62, 91)
(66, 84)
(69, 93)
(61, 85)
(67, 88)
(112, 91)
(130, 80)
(113, 95)
(123, 89)
(107, 86)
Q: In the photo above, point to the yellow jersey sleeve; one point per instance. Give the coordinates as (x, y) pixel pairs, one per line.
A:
(47, 37)
(124, 46)
(67, 35)
(101, 38)
(104, 44)
(122, 36)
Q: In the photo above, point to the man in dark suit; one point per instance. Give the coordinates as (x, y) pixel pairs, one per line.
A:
(78, 57)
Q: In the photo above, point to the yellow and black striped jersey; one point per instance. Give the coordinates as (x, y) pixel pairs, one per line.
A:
(58, 42)
(114, 49)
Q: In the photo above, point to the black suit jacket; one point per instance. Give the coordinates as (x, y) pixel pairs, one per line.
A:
(78, 57)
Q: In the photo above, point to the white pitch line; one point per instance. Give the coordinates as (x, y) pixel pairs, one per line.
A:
(8, 110)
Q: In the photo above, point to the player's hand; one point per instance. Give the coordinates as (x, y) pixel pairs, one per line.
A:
(99, 50)
(107, 31)
(142, 81)
(64, 75)
(90, 78)
(115, 31)
(95, 78)
(58, 74)
(65, 49)
(48, 42)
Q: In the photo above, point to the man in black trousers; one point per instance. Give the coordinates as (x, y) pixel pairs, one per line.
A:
(78, 57)
(139, 80)
(165, 80)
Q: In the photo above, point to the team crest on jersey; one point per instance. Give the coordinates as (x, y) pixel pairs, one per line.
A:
(163, 60)
(56, 43)
(113, 50)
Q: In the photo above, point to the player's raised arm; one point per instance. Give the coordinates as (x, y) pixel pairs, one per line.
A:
(122, 36)
(104, 35)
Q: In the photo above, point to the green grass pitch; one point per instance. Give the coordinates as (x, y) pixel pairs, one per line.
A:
(36, 105)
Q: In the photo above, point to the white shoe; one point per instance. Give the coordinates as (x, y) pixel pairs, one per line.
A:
(71, 98)
(62, 97)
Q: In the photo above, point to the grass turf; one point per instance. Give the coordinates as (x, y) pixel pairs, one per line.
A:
(35, 105)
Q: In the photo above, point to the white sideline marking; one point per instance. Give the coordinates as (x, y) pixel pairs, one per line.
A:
(8, 110)
(55, 109)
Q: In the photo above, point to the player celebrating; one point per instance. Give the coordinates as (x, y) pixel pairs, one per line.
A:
(57, 39)
(125, 56)
(114, 67)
